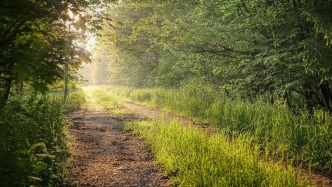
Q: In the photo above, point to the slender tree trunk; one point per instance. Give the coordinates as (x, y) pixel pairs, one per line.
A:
(287, 99)
(66, 81)
(309, 95)
(270, 93)
(327, 95)
(20, 88)
(5, 94)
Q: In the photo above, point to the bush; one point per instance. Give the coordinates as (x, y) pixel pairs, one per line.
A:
(33, 141)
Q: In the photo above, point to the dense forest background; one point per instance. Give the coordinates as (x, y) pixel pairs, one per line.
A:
(276, 50)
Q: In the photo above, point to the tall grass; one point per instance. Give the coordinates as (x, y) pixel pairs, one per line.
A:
(33, 140)
(193, 158)
(76, 98)
(303, 138)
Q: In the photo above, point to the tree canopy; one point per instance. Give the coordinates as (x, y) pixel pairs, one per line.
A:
(36, 39)
(248, 49)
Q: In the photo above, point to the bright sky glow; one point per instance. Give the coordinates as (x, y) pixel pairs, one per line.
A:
(72, 16)
(90, 42)
(89, 45)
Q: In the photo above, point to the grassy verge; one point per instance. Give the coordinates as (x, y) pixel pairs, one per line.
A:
(194, 158)
(33, 139)
(76, 99)
(302, 138)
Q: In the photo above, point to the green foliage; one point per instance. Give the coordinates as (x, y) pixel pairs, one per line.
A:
(33, 148)
(131, 59)
(39, 38)
(272, 49)
(194, 158)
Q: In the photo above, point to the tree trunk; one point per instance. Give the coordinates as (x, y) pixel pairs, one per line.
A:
(66, 81)
(310, 96)
(286, 97)
(5, 94)
(20, 88)
(327, 95)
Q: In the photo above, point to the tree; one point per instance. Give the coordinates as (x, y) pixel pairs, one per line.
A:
(131, 60)
(33, 35)
(248, 49)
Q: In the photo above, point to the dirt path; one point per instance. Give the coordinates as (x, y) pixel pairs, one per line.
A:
(106, 155)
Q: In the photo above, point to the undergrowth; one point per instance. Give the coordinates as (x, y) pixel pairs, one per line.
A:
(33, 139)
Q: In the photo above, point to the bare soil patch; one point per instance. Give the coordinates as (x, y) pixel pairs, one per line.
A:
(106, 155)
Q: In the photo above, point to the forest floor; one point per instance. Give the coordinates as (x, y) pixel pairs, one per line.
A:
(107, 155)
